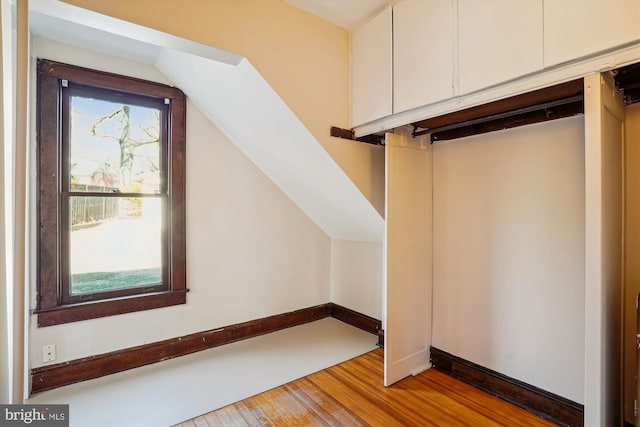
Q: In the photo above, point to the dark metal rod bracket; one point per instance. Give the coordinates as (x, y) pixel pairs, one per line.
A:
(543, 106)
(348, 134)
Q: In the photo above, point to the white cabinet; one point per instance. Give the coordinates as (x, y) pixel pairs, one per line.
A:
(499, 40)
(422, 53)
(371, 70)
(576, 28)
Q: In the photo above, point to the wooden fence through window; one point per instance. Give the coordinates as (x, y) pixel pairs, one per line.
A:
(87, 210)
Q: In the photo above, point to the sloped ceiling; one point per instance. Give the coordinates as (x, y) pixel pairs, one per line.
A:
(348, 14)
(235, 97)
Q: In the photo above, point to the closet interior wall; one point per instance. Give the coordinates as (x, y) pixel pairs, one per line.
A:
(508, 252)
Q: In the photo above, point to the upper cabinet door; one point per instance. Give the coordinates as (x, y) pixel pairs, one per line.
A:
(576, 28)
(422, 53)
(499, 40)
(371, 70)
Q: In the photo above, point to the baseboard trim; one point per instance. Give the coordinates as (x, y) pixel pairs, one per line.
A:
(381, 338)
(548, 405)
(87, 368)
(353, 318)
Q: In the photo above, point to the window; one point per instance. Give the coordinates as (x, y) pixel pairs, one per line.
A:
(111, 194)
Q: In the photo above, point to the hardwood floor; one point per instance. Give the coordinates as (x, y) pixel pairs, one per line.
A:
(352, 394)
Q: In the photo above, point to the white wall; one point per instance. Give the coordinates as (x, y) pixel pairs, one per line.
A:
(356, 276)
(251, 251)
(509, 245)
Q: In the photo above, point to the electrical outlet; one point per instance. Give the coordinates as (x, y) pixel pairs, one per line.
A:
(49, 353)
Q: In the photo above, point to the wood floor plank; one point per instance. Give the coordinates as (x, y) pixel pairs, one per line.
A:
(385, 398)
(202, 422)
(366, 409)
(477, 400)
(283, 409)
(410, 393)
(229, 416)
(253, 415)
(323, 405)
(416, 399)
(352, 394)
(212, 419)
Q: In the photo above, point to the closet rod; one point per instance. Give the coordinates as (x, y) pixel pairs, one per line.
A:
(499, 116)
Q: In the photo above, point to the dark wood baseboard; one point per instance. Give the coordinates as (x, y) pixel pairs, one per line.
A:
(548, 405)
(58, 375)
(353, 318)
(87, 368)
(381, 338)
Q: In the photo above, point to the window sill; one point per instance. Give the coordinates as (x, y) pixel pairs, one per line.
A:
(96, 309)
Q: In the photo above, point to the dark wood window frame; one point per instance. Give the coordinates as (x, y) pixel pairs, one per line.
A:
(53, 305)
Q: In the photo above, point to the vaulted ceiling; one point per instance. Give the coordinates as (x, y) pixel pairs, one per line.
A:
(238, 100)
(348, 14)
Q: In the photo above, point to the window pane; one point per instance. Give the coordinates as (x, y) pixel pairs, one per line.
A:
(113, 147)
(115, 243)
